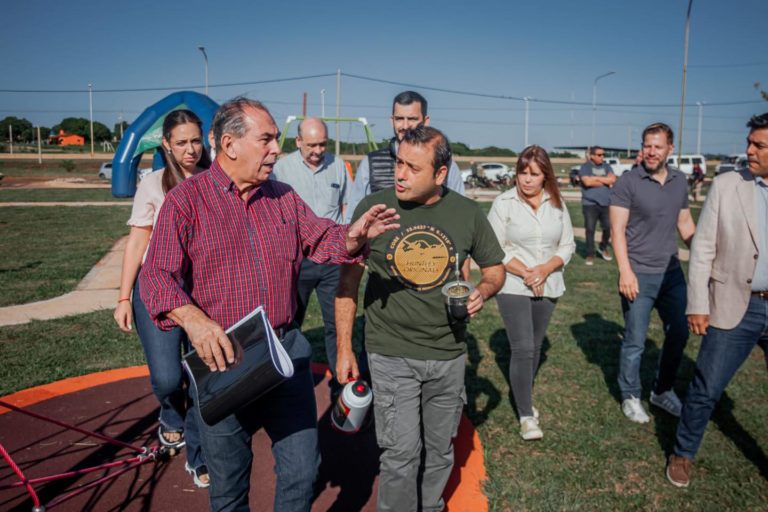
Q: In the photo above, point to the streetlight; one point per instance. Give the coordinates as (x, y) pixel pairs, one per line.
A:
(594, 102)
(205, 56)
(322, 102)
(685, 71)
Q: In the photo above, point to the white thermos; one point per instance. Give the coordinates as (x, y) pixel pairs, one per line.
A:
(349, 410)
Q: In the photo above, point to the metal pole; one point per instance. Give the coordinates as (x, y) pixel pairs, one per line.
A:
(39, 148)
(594, 103)
(205, 56)
(698, 137)
(629, 140)
(10, 137)
(90, 112)
(685, 72)
(304, 105)
(322, 102)
(338, 110)
(526, 122)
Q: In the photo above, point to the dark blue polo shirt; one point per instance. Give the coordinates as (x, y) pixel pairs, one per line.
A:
(653, 211)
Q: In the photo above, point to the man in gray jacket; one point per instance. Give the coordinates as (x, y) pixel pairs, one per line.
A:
(728, 291)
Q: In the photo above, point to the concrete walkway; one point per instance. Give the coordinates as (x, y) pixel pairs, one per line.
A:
(98, 290)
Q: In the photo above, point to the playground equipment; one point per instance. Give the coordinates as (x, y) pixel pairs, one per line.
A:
(145, 133)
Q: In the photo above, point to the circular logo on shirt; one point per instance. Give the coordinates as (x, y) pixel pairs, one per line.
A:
(421, 257)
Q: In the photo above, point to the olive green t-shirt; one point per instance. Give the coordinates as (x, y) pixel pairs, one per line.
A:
(404, 309)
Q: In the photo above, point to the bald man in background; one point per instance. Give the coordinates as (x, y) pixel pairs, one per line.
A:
(321, 180)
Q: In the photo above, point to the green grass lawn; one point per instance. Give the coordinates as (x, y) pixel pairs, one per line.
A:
(591, 457)
(58, 195)
(45, 252)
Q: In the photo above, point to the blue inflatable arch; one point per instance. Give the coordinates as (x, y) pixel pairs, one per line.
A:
(125, 164)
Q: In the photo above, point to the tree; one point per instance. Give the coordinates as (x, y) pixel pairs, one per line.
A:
(23, 131)
(81, 126)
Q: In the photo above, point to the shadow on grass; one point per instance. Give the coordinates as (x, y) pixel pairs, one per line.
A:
(500, 346)
(478, 386)
(600, 340)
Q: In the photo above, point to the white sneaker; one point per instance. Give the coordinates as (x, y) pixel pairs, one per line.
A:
(535, 413)
(633, 409)
(667, 401)
(529, 428)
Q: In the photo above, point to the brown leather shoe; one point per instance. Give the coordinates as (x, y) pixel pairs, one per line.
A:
(679, 471)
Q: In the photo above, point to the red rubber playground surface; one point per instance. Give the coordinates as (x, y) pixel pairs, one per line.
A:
(119, 405)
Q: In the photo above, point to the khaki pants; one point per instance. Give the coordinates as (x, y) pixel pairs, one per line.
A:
(411, 397)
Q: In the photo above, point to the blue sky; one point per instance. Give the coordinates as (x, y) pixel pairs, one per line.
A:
(545, 50)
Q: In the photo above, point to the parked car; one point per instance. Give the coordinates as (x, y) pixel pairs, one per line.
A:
(105, 171)
(687, 162)
(618, 167)
(734, 162)
(489, 174)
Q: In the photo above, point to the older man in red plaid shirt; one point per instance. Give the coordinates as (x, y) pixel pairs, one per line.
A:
(226, 241)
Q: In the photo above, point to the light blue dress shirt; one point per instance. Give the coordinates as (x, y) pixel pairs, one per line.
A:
(760, 279)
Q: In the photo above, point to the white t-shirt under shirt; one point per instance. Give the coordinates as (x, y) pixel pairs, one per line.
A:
(147, 202)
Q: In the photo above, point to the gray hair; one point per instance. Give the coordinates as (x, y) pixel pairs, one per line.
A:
(230, 118)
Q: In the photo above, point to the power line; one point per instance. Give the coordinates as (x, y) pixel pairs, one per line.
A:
(379, 80)
(175, 88)
(541, 100)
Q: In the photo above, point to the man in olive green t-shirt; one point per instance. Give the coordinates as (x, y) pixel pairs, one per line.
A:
(416, 353)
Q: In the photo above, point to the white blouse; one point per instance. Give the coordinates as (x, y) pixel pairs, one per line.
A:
(532, 237)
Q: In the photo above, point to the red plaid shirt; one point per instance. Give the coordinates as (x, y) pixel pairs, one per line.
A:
(228, 256)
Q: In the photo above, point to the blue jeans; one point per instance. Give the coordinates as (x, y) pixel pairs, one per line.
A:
(289, 415)
(324, 279)
(722, 353)
(163, 352)
(667, 293)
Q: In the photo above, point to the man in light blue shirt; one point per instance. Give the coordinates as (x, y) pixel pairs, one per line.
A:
(321, 180)
(377, 169)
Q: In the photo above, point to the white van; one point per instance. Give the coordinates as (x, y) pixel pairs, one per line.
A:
(734, 162)
(687, 162)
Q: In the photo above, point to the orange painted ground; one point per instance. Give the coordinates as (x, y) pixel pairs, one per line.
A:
(119, 403)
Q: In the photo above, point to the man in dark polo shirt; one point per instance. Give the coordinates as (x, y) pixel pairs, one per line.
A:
(647, 205)
(596, 179)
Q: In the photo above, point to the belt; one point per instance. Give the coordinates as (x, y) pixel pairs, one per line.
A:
(763, 294)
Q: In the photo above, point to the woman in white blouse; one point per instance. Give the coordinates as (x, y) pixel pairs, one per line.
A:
(535, 231)
(184, 155)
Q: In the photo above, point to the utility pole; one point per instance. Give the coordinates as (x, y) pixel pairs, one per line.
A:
(90, 112)
(338, 110)
(698, 137)
(10, 137)
(39, 148)
(526, 122)
(322, 102)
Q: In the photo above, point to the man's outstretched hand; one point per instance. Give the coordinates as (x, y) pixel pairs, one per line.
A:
(377, 220)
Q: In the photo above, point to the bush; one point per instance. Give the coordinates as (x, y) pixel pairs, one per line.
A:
(68, 165)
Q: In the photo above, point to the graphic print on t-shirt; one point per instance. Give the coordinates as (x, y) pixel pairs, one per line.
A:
(421, 257)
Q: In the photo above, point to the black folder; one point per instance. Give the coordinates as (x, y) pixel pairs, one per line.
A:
(261, 363)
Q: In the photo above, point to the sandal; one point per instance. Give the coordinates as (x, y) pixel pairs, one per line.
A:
(197, 473)
(162, 432)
